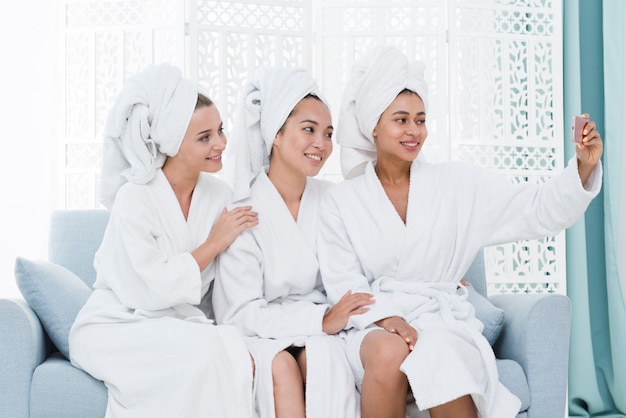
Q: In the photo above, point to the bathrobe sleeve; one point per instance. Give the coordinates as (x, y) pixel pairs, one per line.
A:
(239, 296)
(147, 265)
(528, 211)
(341, 268)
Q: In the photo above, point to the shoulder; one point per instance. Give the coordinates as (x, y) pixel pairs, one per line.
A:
(214, 188)
(214, 183)
(458, 171)
(318, 185)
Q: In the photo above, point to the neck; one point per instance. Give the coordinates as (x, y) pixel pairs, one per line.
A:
(290, 186)
(182, 183)
(393, 172)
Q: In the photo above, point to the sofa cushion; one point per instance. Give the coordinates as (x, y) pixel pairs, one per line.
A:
(79, 395)
(55, 294)
(490, 315)
(513, 378)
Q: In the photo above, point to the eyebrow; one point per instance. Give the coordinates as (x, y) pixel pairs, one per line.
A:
(316, 124)
(404, 112)
(208, 131)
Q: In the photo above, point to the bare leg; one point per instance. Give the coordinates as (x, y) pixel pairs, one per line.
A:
(288, 387)
(300, 356)
(384, 389)
(459, 408)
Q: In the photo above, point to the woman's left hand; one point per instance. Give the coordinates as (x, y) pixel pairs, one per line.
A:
(589, 151)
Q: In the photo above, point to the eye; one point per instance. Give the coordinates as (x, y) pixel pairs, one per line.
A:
(220, 131)
(329, 135)
(401, 120)
(309, 129)
(205, 138)
(421, 121)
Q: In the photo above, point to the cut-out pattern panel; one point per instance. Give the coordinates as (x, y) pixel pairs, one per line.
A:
(106, 42)
(493, 68)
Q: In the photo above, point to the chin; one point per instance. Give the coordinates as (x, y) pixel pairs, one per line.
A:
(214, 168)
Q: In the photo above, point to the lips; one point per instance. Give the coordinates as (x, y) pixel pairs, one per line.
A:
(410, 145)
(217, 157)
(314, 157)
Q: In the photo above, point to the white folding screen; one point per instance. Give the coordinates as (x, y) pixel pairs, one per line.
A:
(493, 68)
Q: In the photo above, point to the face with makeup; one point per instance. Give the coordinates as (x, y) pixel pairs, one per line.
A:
(401, 129)
(203, 143)
(304, 142)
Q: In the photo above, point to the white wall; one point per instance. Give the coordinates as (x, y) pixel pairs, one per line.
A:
(28, 107)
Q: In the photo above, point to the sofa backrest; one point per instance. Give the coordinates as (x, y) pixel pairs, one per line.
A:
(75, 235)
(74, 238)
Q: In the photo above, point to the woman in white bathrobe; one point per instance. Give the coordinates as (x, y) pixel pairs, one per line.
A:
(139, 332)
(407, 231)
(268, 282)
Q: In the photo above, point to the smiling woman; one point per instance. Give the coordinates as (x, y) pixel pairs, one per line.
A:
(28, 109)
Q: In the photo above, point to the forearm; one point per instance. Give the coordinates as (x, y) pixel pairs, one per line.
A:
(206, 253)
(584, 171)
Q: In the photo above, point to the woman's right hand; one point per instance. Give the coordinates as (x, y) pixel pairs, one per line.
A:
(397, 325)
(227, 227)
(230, 224)
(350, 304)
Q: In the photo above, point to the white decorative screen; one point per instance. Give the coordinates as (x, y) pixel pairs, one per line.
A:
(493, 68)
(230, 39)
(506, 113)
(105, 42)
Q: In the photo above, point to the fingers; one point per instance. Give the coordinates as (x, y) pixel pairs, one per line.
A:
(400, 327)
(407, 333)
(240, 218)
(350, 303)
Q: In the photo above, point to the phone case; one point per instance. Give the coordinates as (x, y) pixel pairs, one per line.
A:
(578, 123)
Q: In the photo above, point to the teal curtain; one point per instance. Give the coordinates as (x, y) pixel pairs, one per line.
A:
(594, 65)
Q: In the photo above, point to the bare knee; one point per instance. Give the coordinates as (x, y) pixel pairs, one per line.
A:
(462, 407)
(288, 386)
(284, 364)
(382, 350)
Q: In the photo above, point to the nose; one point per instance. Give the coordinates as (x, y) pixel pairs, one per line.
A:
(412, 128)
(319, 142)
(221, 144)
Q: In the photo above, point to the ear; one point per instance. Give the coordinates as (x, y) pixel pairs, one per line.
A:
(277, 138)
(374, 133)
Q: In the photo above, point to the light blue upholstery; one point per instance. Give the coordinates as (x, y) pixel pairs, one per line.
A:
(38, 381)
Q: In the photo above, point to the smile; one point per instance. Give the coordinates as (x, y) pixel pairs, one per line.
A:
(214, 158)
(313, 157)
(410, 144)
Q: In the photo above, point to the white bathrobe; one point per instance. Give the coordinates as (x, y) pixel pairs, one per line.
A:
(268, 286)
(159, 355)
(413, 268)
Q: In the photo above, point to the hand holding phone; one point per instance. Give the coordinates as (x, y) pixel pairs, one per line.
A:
(578, 123)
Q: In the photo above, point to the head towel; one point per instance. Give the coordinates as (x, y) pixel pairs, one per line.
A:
(146, 124)
(376, 79)
(265, 102)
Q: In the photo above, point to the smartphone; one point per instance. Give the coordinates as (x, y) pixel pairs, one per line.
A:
(578, 123)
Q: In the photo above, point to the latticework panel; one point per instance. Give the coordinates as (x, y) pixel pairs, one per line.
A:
(493, 69)
(234, 38)
(347, 29)
(506, 113)
(105, 42)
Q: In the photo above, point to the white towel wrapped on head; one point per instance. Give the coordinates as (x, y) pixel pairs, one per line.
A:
(376, 79)
(146, 124)
(265, 102)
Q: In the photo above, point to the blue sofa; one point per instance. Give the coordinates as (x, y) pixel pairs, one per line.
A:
(37, 380)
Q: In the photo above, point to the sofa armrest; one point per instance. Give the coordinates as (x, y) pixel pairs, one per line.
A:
(23, 347)
(536, 334)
